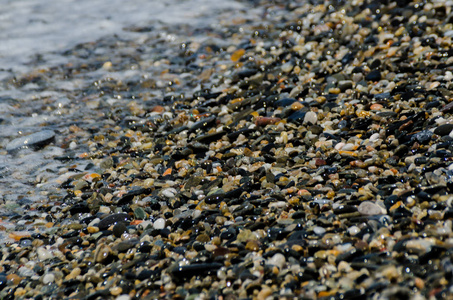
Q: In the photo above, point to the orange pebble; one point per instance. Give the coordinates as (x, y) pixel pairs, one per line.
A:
(83, 155)
(18, 235)
(325, 294)
(236, 100)
(348, 153)
(303, 192)
(237, 54)
(136, 222)
(167, 172)
(296, 105)
(376, 106)
(158, 109)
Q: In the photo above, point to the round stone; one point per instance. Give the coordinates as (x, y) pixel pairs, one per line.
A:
(159, 223)
(34, 140)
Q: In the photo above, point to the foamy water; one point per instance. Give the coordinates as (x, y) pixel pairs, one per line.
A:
(29, 28)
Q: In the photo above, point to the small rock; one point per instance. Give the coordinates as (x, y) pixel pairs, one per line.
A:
(115, 291)
(278, 260)
(44, 254)
(310, 117)
(369, 208)
(169, 193)
(34, 140)
(74, 273)
(113, 219)
(48, 278)
(264, 293)
(119, 229)
(263, 121)
(159, 223)
(444, 129)
(140, 213)
(318, 230)
(374, 75)
(353, 230)
(102, 253)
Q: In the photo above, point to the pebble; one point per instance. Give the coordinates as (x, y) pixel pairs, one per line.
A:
(444, 129)
(119, 229)
(114, 219)
(369, 208)
(319, 230)
(169, 193)
(44, 254)
(310, 117)
(278, 260)
(48, 278)
(35, 141)
(353, 230)
(159, 224)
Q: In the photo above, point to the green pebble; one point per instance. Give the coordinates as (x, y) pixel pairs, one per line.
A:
(140, 213)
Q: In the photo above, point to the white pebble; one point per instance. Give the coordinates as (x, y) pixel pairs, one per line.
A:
(123, 297)
(43, 253)
(368, 208)
(159, 223)
(278, 260)
(278, 204)
(48, 278)
(287, 67)
(168, 193)
(339, 146)
(374, 137)
(344, 247)
(318, 230)
(311, 117)
(25, 272)
(94, 222)
(353, 230)
(348, 147)
(104, 209)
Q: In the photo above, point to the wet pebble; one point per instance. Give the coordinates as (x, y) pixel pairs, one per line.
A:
(114, 219)
(369, 208)
(34, 141)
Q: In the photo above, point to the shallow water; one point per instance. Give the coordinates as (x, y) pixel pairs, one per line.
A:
(42, 41)
(35, 30)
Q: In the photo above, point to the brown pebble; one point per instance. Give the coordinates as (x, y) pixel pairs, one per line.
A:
(320, 162)
(419, 283)
(263, 121)
(252, 246)
(158, 109)
(203, 238)
(16, 279)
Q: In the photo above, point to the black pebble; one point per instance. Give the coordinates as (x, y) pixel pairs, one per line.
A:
(119, 229)
(374, 75)
(443, 129)
(113, 219)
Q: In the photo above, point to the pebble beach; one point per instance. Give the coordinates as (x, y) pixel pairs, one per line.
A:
(256, 150)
